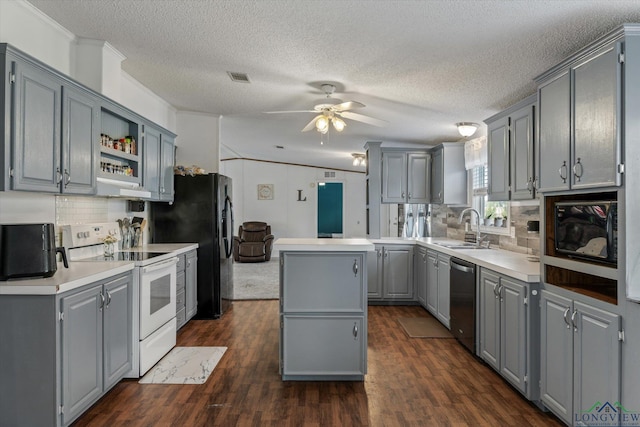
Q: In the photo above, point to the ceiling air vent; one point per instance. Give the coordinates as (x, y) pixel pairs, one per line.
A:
(329, 174)
(238, 77)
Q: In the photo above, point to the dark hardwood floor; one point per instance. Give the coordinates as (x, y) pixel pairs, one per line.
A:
(410, 382)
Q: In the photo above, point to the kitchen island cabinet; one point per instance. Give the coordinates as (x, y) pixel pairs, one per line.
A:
(323, 309)
(62, 351)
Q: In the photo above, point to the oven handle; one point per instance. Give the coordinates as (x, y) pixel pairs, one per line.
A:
(160, 265)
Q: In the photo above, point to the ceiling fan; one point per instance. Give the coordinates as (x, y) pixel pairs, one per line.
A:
(334, 112)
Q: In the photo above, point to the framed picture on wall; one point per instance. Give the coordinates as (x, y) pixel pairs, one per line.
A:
(265, 191)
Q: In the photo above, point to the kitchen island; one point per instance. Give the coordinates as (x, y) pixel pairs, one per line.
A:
(323, 308)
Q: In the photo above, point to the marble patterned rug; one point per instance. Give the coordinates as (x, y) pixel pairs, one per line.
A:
(185, 365)
(256, 280)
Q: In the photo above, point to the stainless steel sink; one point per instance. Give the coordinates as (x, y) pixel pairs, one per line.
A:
(460, 246)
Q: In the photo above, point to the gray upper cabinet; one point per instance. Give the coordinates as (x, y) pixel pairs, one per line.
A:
(158, 163)
(36, 123)
(580, 356)
(596, 140)
(448, 175)
(405, 177)
(55, 128)
(511, 152)
(80, 124)
(579, 122)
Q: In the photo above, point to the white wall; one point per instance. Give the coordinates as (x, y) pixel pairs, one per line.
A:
(287, 216)
(198, 140)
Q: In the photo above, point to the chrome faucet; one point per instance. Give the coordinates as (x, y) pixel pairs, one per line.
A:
(478, 237)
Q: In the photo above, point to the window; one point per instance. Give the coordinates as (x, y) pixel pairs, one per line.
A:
(494, 214)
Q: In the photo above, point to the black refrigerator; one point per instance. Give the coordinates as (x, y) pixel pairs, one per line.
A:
(202, 212)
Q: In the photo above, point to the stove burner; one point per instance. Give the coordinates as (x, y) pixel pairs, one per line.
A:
(127, 256)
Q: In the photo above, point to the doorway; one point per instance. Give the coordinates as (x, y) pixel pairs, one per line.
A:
(329, 209)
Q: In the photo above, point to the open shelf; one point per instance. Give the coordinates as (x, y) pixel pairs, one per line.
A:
(597, 287)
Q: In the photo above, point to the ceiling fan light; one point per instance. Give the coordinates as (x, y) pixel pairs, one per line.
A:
(359, 159)
(338, 124)
(322, 124)
(467, 129)
(356, 161)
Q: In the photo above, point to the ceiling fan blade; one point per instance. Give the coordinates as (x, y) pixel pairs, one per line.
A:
(362, 118)
(348, 105)
(311, 124)
(294, 111)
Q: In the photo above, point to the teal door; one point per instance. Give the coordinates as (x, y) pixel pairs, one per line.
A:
(329, 208)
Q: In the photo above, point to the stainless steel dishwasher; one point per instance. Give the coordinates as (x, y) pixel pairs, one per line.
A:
(463, 302)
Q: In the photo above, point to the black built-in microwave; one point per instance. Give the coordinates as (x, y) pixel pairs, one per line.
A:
(587, 229)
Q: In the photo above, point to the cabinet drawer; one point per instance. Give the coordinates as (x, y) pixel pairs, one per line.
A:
(324, 345)
(180, 281)
(181, 263)
(180, 300)
(324, 283)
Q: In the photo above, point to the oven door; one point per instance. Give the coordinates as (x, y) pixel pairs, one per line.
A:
(157, 295)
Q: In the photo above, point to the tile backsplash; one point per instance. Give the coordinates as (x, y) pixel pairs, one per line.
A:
(80, 210)
(444, 223)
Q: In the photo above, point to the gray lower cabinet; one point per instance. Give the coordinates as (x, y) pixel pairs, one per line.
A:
(393, 279)
(61, 353)
(580, 357)
(323, 310)
(186, 287)
(420, 264)
(438, 284)
(508, 332)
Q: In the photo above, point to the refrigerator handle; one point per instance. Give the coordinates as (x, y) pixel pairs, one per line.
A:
(228, 241)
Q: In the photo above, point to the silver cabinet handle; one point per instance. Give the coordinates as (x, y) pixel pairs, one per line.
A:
(530, 184)
(573, 320)
(379, 252)
(534, 183)
(409, 195)
(108, 299)
(355, 267)
(564, 316)
(67, 178)
(402, 195)
(562, 169)
(576, 167)
(101, 301)
(495, 290)
(355, 330)
(386, 254)
(58, 176)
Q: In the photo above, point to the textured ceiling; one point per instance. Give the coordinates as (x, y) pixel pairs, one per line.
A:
(421, 65)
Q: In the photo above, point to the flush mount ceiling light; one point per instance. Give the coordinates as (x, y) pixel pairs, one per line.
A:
(359, 159)
(467, 129)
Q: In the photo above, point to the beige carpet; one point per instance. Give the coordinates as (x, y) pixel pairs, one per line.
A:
(256, 280)
(423, 327)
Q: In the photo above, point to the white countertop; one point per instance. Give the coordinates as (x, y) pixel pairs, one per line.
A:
(65, 279)
(177, 248)
(509, 263)
(323, 245)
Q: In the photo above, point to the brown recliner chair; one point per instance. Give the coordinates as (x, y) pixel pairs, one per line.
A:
(253, 242)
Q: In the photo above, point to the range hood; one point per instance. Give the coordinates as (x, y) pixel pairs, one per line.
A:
(114, 188)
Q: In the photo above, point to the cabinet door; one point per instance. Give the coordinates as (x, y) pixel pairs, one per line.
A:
(513, 332)
(420, 275)
(321, 283)
(191, 285)
(596, 145)
(444, 268)
(118, 330)
(323, 345)
(80, 115)
(419, 166)
(437, 176)
(152, 161)
(432, 282)
(556, 355)
(490, 319)
(498, 144)
(394, 177)
(553, 160)
(521, 146)
(81, 336)
(36, 123)
(596, 357)
(398, 272)
(374, 273)
(167, 160)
